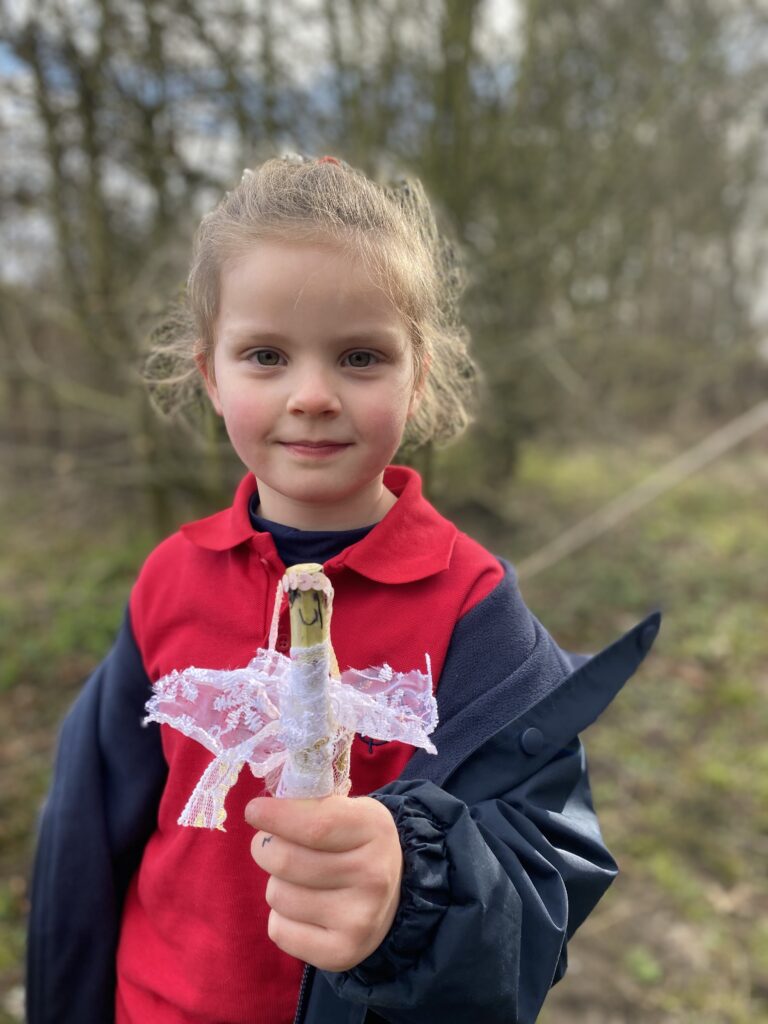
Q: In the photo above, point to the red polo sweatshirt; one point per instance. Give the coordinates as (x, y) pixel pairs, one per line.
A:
(193, 944)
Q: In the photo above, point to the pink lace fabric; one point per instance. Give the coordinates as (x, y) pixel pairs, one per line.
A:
(269, 716)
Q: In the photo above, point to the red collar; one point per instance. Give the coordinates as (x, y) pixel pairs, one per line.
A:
(411, 542)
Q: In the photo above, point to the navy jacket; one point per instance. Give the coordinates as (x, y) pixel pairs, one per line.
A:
(503, 853)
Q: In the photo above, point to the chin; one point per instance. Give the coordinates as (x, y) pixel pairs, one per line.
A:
(317, 490)
(319, 495)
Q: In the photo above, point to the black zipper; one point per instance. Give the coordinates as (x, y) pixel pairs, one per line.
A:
(300, 1007)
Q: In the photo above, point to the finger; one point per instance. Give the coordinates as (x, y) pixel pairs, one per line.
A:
(320, 907)
(315, 869)
(333, 823)
(316, 946)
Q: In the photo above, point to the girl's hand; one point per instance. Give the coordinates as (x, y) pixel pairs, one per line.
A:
(335, 866)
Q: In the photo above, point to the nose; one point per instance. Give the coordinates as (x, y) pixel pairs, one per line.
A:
(313, 394)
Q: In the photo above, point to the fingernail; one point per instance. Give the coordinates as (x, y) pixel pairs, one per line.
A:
(252, 810)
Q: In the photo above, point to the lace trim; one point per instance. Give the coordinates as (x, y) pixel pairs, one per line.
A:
(290, 720)
(300, 579)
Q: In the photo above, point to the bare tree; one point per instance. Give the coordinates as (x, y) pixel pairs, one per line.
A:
(603, 168)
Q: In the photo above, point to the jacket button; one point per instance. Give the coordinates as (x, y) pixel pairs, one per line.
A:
(283, 643)
(647, 636)
(532, 741)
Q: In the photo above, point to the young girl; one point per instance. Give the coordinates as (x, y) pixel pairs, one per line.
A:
(325, 332)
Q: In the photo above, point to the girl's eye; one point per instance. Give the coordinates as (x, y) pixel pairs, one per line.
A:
(360, 360)
(265, 357)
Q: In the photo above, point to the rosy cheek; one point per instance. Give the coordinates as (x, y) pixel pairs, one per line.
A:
(242, 414)
(393, 407)
(387, 423)
(247, 403)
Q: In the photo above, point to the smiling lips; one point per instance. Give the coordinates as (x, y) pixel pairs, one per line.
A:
(315, 449)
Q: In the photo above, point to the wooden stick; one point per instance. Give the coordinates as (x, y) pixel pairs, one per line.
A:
(309, 770)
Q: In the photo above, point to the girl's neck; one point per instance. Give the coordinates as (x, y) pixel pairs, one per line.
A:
(361, 509)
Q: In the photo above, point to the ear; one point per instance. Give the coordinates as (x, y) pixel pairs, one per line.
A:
(419, 388)
(206, 372)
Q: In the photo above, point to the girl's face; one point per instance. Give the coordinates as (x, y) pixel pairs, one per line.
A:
(313, 374)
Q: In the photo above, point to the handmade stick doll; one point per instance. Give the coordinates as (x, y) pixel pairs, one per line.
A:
(291, 720)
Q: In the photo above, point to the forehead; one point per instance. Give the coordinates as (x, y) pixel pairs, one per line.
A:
(293, 281)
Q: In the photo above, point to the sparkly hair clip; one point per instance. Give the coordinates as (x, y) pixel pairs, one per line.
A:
(297, 159)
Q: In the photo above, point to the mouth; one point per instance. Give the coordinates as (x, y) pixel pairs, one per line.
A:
(315, 449)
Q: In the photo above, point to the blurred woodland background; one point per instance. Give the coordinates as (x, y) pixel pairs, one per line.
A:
(604, 169)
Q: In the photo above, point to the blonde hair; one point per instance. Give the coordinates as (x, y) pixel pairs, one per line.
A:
(392, 229)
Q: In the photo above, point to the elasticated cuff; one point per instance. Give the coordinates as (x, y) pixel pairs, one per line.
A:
(424, 893)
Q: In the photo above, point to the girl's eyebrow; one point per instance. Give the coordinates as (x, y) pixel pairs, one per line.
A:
(263, 337)
(356, 335)
(380, 332)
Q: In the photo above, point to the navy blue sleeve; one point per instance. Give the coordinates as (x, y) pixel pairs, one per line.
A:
(503, 855)
(490, 894)
(100, 812)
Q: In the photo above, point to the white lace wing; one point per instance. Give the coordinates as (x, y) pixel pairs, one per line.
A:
(387, 705)
(235, 714)
(245, 716)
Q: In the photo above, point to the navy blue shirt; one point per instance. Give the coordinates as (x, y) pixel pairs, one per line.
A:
(297, 546)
